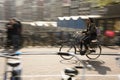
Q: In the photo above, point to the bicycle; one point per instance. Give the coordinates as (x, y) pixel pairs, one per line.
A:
(73, 44)
(70, 73)
(15, 65)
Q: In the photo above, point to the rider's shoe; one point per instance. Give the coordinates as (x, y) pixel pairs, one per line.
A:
(82, 52)
(92, 50)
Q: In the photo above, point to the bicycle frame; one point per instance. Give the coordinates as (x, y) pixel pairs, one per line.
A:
(77, 45)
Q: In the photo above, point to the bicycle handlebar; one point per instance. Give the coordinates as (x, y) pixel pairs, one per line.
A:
(11, 57)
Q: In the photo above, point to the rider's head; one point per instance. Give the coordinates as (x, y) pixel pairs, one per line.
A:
(90, 20)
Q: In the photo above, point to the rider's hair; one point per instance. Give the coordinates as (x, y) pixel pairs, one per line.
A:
(91, 20)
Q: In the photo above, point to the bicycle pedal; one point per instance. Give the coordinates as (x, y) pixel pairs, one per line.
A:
(92, 50)
(82, 52)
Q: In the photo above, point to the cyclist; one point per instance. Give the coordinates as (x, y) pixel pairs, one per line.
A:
(90, 34)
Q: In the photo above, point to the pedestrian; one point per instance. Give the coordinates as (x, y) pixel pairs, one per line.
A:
(9, 31)
(16, 34)
(20, 32)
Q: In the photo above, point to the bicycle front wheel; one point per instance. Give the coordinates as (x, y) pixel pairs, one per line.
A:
(67, 49)
(94, 52)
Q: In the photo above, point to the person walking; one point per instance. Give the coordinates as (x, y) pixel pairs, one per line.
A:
(16, 34)
(9, 31)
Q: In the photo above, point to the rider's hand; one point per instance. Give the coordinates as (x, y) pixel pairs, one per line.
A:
(84, 31)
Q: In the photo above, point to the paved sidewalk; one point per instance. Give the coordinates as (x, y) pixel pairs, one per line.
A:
(49, 67)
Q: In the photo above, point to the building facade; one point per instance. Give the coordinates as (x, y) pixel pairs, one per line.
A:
(30, 10)
(2, 15)
(52, 9)
(33, 10)
(10, 9)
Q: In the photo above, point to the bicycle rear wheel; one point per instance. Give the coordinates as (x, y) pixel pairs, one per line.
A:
(94, 52)
(67, 49)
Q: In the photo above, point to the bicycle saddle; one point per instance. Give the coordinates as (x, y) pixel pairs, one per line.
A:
(13, 63)
(71, 72)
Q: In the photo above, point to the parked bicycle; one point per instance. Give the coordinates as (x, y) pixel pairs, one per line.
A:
(15, 72)
(70, 73)
(73, 45)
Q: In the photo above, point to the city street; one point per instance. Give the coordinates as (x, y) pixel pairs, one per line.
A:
(42, 63)
(31, 32)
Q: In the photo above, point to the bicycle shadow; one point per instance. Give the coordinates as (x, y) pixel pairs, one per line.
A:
(96, 65)
(99, 66)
